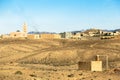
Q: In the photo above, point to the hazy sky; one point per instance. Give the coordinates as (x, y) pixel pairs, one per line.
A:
(59, 15)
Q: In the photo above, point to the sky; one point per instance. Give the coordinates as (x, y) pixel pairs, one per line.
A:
(59, 15)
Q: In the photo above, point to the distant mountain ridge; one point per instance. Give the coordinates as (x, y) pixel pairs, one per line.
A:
(34, 32)
(77, 31)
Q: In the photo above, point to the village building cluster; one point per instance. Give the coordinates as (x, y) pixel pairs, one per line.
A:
(90, 34)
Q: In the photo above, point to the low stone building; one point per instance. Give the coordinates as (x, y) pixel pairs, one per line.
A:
(91, 66)
(76, 36)
(116, 33)
(33, 36)
(18, 35)
(93, 32)
(57, 36)
(105, 33)
(68, 35)
(5, 36)
(50, 36)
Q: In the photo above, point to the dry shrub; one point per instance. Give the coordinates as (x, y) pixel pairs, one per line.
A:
(18, 73)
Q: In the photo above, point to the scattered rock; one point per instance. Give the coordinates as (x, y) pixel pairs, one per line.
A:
(71, 75)
(117, 70)
(33, 75)
(81, 74)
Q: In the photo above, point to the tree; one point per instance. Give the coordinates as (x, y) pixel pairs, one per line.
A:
(18, 31)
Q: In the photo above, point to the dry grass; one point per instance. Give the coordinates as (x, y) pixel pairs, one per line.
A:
(57, 52)
(55, 59)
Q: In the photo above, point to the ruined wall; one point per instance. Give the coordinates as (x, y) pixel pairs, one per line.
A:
(33, 36)
(84, 65)
(50, 36)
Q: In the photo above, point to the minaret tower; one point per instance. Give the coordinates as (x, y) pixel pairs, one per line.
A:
(25, 27)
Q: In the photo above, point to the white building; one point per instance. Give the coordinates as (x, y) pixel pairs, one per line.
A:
(18, 34)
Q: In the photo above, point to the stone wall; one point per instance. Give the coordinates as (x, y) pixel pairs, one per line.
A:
(84, 66)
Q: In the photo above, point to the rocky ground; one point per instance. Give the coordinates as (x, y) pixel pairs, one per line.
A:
(56, 59)
(43, 72)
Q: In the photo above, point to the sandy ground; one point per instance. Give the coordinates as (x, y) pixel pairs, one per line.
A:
(45, 72)
(56, 59)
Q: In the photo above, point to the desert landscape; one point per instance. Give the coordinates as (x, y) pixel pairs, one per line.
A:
(59, 39)
(56, 59)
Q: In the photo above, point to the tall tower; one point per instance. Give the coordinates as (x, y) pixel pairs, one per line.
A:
(25, 27)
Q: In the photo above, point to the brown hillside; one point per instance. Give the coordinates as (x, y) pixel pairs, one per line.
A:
(57, 52)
